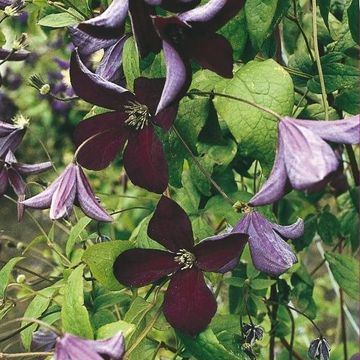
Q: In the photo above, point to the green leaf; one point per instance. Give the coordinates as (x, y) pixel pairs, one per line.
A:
(75, 233)
(131, 64)
(348, 100)
(262, 16)
(324, 6)
(58, 20)
(113, 328)
(353, 19)
(206, 346)
(5, 274)
(235, 281)
(259, 284)
(34, 310)
(101, 257)
(345, 271)
(74, 315)
(2, 39)
(265, 83)
(328, 227)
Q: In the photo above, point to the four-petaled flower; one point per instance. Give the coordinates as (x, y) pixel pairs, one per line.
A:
(70, 347)
(269, 252)
(304, 160)
(70, 187)
(189, 304)
(11, 173)
(103, 136)
(192, 35)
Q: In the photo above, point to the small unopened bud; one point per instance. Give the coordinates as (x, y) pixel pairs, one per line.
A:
(21, 279)
(39, 84)
(20, 246)
(20, 42)
(319, 349)
(21, 121)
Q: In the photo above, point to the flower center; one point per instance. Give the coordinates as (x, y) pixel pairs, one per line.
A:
(185, 258)
(175, 33)
(139, 115)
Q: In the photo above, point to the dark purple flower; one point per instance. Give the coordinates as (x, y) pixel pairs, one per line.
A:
(319, 349)
(70, 347)
(304, 159)
(11, 174)
(10, 55)
(104, 136)
(252, 333)
(70, 187)
(189, 304)
(269, 252)
(43, 340)
(192, 36)
(12, 134)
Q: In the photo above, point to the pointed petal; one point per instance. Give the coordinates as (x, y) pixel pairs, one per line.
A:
(290, 231)
(60, 351)
(109, 67)
(139, 267)
(16, 182)
(86, 199)
(269, 252)
(166, 118)
(4, 181)
(220, 255)
(6, 128)
(10, 158)
(308, 158)
(74, 348)
(64, 195)
(145, 161)
(189, 305)
(345, 131)
(275, 186)
(242, 226)
(147, 39)
(12, 141)
(108, 134)
(93, 88)
(148, 92)
(32, 169)
(212, 51)
(170, 226)
(17, 56)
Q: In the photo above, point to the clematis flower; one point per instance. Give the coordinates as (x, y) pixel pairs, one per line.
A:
(43, 340)
(70, 347)
(191, 35)
(107, 29)
(319, 349)
(188, 304)
(11, 174)
(70, 187)
(12, 134)
(304, 159)
(252, 333)
(10, 55)
(269, 252)
(133, 121)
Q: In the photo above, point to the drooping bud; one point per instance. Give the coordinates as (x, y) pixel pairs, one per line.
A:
(319, 349)
(252, 333)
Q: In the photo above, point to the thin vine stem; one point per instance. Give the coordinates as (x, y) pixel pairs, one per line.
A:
(28, 354)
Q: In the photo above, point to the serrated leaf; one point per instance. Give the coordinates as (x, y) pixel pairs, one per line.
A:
(328, 227)
(58, 20)
(345, 271)
(74, 315)
(111, 329)
(75, 233)
(131, 66)
(267, 84)
(5, 274)
(101, 257)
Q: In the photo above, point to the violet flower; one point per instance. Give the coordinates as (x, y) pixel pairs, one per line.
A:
(192, 36)
(269, 252)
(12, 134)
(107, 29)
(11, 174)
(103, 136)
(304, 159)
(70, 187)
(188, 304)
(10, 55)
(319, 349)
(43, 340)
(70, 347)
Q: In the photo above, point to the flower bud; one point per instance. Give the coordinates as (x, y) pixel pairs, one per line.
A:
(319, 349)
(21, 279)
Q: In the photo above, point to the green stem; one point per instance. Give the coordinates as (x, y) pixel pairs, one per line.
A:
(318, 62)
(19, 355)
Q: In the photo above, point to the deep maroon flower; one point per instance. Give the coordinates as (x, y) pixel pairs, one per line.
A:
(189, 304)
(304, 160)
(269, 252)
(70, 347)
(319, 349)
(70, 187)
(133, 120)
(107, 29)
(192, 36)
(12, 134)
(11, 174)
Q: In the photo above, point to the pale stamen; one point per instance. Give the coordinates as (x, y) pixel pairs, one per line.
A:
(185, 258)
(139, 115)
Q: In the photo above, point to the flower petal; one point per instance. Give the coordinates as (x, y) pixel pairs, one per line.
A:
(109, 134)
(16, 182)
(345, 131)
(75, 349)
(11, 141)
(170, 226)
(4, 181)
(290, 231)
(147, 39)
(148, 92)
(269, 252)
(6, 128)
(178, 5)
(93, 88)
(139, 267)
(86, 199)
(189, 304)
(166, 118)
(32, 169)
(275, 186)
(60, 351)
(220, 255)
(308, 158)
(16, 56)
(145, 161)
(64, 195)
